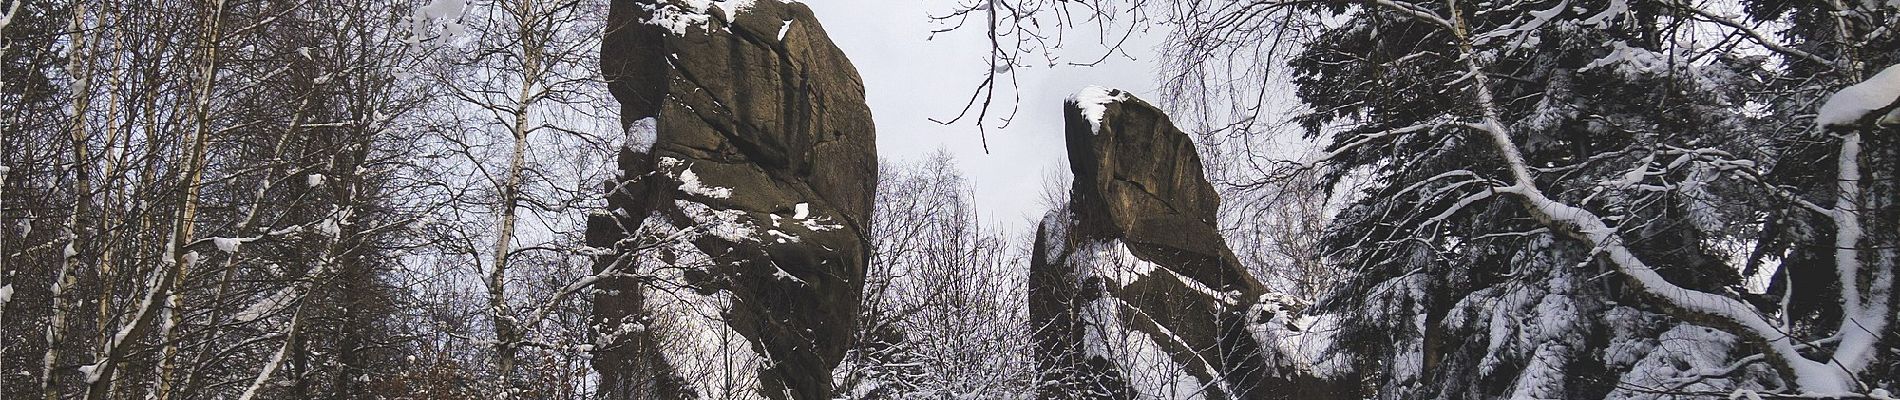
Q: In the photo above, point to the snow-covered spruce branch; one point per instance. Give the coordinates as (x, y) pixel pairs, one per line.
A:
(1363, 139)
(1756, 36)
(1835, 377)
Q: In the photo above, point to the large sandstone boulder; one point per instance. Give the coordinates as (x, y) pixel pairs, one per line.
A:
(1134, 292)
(740, 220)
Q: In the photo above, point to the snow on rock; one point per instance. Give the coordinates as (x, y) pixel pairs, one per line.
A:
(815, 225)
(1304, 341)
(1112, 261)
(801, 211)
(783, 29)
(781, 237)
(313, 180)
(780, 273)
(690, 183)
(695, 13)
(725, 224)
(1150, 370)
(1094, 101)
(6, 294)
(642, 133)
(1849, 105)
(698, 336)
(1055, 230)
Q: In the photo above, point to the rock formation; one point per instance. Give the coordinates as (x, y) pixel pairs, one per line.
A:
(739, 221)
(1134, 292)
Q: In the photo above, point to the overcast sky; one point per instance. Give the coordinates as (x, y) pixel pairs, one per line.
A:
(910, 78)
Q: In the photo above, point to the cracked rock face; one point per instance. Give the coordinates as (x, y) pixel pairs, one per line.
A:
(1134, 290)
(740, 219)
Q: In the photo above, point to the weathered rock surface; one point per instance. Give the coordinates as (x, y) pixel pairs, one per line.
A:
(742, 227)
(1133, 290)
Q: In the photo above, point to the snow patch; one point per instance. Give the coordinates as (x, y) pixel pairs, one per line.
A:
(1304, 342)
(783, 29)
(228, 245)
(690, 183)
(1689, 352)
(780, 274)
(1616, 9)
(313, 180)
(695, 13)
(424, 17)
(270, 305)
(1150, 370)
(700, 341)
(1847, 106)
(1632, 61)
(725, 224)
(642, 134)
(1093, 101)
(801, 211)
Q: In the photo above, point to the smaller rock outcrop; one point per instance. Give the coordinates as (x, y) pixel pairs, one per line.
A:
(1133, 291)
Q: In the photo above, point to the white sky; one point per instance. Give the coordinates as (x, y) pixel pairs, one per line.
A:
(910, 78)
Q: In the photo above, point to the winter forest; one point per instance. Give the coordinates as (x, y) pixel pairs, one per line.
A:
(686, 199)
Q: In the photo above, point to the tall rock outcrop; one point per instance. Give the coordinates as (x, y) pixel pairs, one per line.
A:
(739, 223)
(1133, 291)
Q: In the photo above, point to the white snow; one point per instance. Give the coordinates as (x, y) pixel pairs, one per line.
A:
(330, 227)
(1847, 106)
(228, 245)
(695, 14)
(1055, 231)
(641, 134)
(1112, 261)
(816, 226)
(779, 273)
(801, 211)
(268, 306)
(1687, 352)
(1150, 370)
(6, 294)
(1633, 61)
(1303, 341)
(783, 29)
(725, 224)
(781, 236)
(690, 183)
(12, 10)
(1094, 101)
(1616, 9)
(426, 15)
(700, 342)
